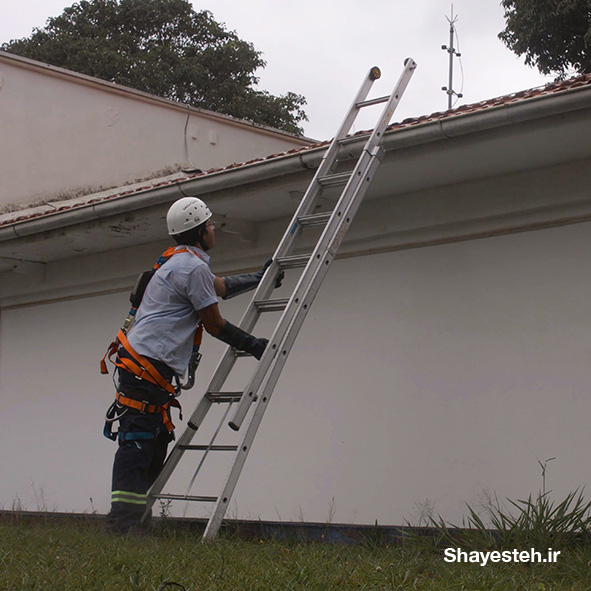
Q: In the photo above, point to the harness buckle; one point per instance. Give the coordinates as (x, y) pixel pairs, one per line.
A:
(145, 406)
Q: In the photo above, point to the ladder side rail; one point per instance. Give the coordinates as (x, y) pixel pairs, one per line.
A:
(293, 229)
(332, 229)
(220, 375)
(350, 200)
(194, 422)
(263, 290)
(265, 287)
(224, 367)
(266, 360)
(228, 359)
(314, 188)
(176, 454)
(388, 111)
(223, 500)
(284, 248)
(279, 360)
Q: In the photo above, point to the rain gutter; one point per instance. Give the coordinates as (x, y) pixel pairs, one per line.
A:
(446, 127)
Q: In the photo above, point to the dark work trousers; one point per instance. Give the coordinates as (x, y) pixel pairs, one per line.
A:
(143, 441)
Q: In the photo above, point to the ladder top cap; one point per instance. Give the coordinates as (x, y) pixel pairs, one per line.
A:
(375, 73)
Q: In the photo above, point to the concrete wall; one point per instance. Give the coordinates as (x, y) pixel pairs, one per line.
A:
(64, 134)
(434, 373)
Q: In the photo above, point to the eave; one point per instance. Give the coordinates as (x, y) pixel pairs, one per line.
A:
(533, 129)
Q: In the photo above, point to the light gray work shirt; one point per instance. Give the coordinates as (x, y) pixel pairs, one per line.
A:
(167, 318)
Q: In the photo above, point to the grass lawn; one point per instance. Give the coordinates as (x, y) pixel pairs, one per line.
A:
(77, 555)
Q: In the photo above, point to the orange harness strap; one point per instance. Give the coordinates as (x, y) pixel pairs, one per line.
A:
(151, 408)
(139, 365)
(170, 252)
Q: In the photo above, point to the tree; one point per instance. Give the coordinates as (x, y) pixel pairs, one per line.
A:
(554, 35)
(165, 48)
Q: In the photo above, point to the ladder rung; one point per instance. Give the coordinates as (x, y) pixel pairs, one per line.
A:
(209, 447)
(333, 180)
(271, 305)
(316, 219)
(374, 101)
(224, 396)
(294, 261)
(185, 498)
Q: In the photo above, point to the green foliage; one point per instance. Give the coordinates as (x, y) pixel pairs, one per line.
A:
(536, 522)
(554, 35)
(165, 48)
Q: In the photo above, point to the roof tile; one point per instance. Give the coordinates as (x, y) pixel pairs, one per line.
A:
(552, 88)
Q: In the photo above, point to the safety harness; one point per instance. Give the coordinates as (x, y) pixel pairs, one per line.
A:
(141, 367)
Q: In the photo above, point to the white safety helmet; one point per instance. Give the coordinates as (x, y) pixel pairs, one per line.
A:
(185, 214)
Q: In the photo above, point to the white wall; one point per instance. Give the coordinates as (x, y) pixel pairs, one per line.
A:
(434, 373)
(64, 133)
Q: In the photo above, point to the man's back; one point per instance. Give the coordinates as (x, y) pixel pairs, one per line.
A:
(167, 317)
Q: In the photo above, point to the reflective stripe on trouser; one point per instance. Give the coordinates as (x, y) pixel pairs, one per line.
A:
(136, 466)
(123, 496)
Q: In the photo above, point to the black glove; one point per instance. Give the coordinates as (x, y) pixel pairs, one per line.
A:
(241, 340)
(238, 284)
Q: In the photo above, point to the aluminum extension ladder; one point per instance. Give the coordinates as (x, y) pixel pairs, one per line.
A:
(257, 393)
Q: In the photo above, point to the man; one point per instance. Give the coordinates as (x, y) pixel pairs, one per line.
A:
(180, 295)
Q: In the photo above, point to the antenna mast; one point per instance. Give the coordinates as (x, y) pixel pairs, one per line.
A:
(449, 89)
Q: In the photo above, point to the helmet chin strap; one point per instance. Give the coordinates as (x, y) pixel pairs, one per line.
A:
(200, 240)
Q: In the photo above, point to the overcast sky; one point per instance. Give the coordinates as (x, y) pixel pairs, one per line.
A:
(322, 49)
